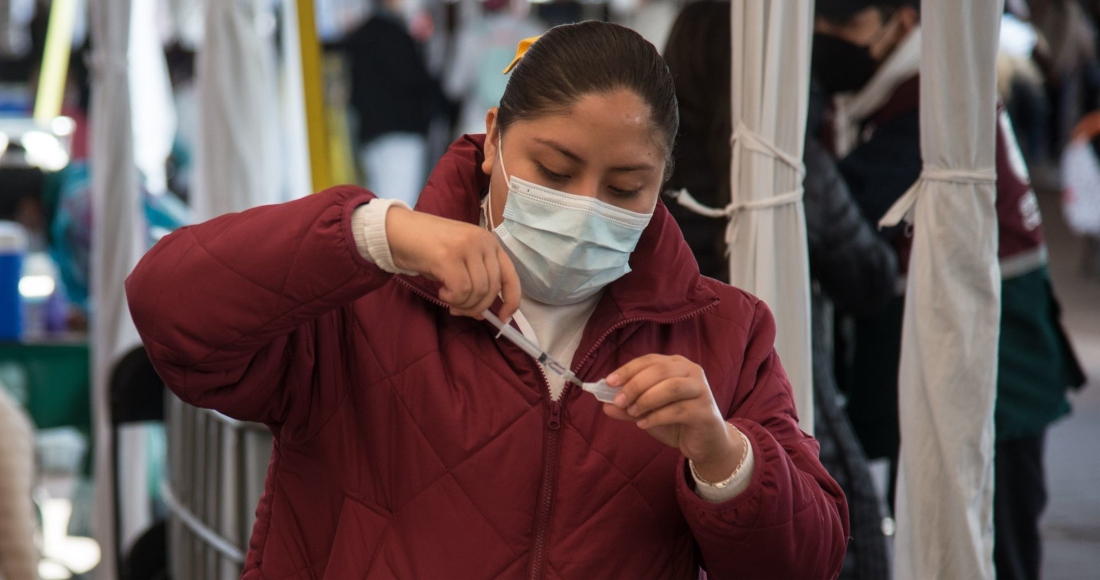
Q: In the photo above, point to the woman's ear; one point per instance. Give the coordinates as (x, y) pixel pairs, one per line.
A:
(909, 18)
(492, 141)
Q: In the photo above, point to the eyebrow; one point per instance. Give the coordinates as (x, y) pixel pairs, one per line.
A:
(577, 158)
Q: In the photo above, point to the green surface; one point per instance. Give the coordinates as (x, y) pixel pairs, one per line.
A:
(51, 380)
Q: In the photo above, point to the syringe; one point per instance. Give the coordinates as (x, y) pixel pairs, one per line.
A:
(529, 347)
(600, 389)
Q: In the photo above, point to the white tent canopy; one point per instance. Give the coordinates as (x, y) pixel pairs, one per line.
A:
(118, 240)
(767, 231)
(237, 157)
(948, 373)
(153, 112)
(771, 84)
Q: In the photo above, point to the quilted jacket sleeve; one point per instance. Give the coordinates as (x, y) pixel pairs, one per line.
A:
(792, 521)
(243, 313)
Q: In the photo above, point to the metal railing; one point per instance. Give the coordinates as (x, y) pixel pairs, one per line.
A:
(216, 471)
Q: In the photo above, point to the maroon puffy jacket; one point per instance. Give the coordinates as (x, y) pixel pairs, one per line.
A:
(410, 443)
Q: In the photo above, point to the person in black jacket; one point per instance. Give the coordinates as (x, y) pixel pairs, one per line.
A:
(852, 267)
(394, 96)
(850, 262)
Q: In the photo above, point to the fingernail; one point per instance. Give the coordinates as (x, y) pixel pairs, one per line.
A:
(633, 411)
(613, 379)
(620, 400)
(644, 423)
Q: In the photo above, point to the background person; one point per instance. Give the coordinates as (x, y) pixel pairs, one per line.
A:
(394, 98)
(484, 45)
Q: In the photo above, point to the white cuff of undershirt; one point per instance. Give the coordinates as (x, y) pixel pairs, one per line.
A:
(733, 485)
(368, 227)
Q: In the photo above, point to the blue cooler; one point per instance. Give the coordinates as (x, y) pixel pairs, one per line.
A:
(13, 245)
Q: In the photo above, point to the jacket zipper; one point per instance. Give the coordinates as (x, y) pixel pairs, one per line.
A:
(553, 427)
(550, 459)
(549, 476)
(422, 293)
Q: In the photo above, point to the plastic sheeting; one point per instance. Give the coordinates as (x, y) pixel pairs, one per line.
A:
(118, 239)
(948, 373)
(237, 158)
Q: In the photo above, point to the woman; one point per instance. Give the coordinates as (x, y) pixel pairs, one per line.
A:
(411, 443)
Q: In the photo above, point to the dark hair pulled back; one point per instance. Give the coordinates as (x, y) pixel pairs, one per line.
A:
(574, 60)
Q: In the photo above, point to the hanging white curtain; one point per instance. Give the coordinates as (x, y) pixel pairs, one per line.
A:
(948, 372)
(768, 253)
(117, 243)
(296, 171)
(153, 110)
(237, 155)
(184, 21)
(767, 230)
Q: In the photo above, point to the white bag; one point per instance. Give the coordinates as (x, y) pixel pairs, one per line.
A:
(1081, 188)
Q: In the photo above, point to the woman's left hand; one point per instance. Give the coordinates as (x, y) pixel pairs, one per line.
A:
(670, 398)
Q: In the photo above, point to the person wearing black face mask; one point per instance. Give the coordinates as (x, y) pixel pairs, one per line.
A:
(877, 142)
(867, 52)
(843, 65)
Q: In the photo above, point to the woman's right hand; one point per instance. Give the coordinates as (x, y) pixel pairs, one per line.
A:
(466, 259)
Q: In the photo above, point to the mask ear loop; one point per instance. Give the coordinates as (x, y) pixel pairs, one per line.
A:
(489, 210)
(489, 205)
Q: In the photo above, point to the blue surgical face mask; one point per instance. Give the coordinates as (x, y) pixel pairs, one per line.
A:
(565, 247)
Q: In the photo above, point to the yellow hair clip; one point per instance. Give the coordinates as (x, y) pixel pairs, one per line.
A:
(520, 51)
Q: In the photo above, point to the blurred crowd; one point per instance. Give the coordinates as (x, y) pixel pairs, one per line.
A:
(442, 73)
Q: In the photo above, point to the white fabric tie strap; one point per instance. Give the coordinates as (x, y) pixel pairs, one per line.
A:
(987, 175)
(744, 137)
(732, 210)
(686, 200)
(903, 207)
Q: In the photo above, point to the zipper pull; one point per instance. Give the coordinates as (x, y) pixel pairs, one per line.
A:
(555, 415)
